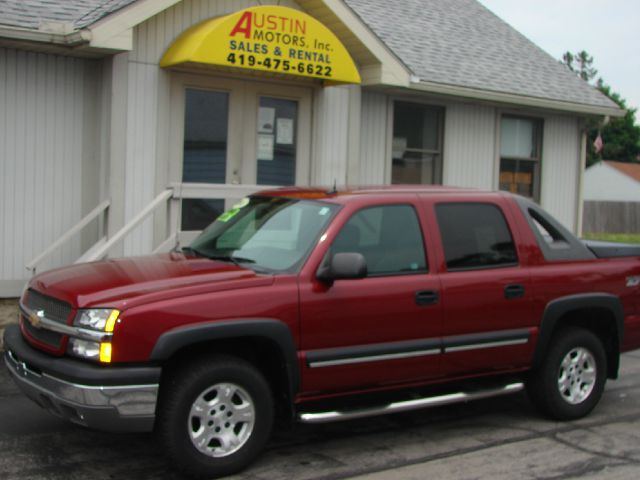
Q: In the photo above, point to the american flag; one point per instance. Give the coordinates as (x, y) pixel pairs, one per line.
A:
(598, 143)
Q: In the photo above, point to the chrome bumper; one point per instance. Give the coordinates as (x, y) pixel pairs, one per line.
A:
(128, 408)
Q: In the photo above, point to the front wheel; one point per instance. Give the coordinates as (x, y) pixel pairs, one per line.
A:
(571, 379)
(215, 416)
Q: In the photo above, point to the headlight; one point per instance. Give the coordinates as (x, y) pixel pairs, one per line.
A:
(103, 320)
(95, 319)
(84, 349)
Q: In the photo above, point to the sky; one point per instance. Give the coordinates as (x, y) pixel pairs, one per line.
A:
(609, 30)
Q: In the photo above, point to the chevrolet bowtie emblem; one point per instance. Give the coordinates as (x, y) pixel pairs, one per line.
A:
(35, 318)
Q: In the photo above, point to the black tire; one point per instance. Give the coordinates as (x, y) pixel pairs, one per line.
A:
(200, 401)
(570, 381)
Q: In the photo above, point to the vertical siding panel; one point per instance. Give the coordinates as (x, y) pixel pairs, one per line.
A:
(469, 146)
(40, 139)
(31, 108)
(141, 153)
(330, 161)
(41, 124)
(560, 168)
(373, 139)
(13, 161)
(4, 221)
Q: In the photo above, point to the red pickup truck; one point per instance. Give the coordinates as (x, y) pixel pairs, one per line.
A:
(320, 306)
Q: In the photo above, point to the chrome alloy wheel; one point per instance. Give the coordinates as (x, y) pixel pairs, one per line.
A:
(577, 375)
(221, 420)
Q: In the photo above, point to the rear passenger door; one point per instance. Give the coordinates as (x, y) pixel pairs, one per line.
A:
(486, 291)
(380, 330)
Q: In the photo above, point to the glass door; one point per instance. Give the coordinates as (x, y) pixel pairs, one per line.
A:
(276, 141)
(204, 153)
(236, 132)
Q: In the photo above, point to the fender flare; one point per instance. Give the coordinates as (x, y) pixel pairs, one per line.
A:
(561, 306)
(274, 331)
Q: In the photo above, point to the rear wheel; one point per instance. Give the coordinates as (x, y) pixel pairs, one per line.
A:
(215, 416)
(571, 379)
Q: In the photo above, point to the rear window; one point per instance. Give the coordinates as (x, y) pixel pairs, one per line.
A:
(475, 236)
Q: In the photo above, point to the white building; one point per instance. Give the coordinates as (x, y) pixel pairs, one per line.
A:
(609, 181)
(93, 127)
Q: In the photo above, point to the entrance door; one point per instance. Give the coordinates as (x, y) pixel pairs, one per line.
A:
(237, 133)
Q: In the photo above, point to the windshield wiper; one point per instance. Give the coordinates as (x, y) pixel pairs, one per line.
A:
(231, 258)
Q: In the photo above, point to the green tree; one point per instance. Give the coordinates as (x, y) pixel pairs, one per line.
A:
(621, 136)
(581, 63)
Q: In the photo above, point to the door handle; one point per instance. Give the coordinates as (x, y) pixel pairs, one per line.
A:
(513, 291)
(427, 297)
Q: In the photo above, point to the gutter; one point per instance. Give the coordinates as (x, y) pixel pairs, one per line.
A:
(58, 35)
(514, 99)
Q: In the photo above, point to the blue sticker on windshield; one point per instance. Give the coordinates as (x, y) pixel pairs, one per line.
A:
(323, 211)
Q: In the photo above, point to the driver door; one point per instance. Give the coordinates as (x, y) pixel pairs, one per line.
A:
(382, 329)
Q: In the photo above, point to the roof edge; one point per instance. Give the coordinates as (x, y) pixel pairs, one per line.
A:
(392, 70)
(72, 39)
(512, 98)
(114, 31)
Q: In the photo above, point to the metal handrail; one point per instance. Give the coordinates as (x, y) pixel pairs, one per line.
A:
(77, 228)
(134, 222)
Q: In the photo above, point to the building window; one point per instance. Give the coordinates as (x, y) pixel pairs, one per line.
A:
(520, 142)
(417, 144)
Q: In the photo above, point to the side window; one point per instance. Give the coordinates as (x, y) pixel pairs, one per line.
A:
(389, 238)
(475, 235)
(548, 232)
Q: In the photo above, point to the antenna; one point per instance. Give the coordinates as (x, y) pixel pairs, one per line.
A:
(334, 190)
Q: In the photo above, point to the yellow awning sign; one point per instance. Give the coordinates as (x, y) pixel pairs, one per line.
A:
(266, 38)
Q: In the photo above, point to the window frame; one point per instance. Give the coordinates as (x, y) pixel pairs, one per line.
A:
(416, 212)
(441, 111)
(538, 129)
(500, 210)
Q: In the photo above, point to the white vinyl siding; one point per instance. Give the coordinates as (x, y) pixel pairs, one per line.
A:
(140, 166)
(374, 150)
(605, 183)
(42, 142)
(469, 146)
(331, 120)
(561, 169)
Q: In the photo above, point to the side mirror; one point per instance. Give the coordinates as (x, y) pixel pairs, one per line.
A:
(342, 266)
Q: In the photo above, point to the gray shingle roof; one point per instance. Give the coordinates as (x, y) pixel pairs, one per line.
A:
(461, 43)
(449, 42)
(77, 13)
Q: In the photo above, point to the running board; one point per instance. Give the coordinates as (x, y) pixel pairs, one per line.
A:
(407, 405)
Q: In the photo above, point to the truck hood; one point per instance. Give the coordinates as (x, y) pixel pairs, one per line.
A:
(126, 282)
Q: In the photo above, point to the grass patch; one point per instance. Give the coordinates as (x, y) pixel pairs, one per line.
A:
(614, 237)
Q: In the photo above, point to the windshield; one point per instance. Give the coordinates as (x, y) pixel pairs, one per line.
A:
(265, 233)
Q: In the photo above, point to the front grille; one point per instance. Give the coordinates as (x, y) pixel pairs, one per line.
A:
(56, 310)
(53, 339)
(53, 309)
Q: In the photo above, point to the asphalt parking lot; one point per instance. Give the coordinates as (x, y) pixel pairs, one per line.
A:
(501, 438)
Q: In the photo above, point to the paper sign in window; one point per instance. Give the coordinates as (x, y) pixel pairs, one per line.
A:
(284, 131)
(266, 118)
(265, 147)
